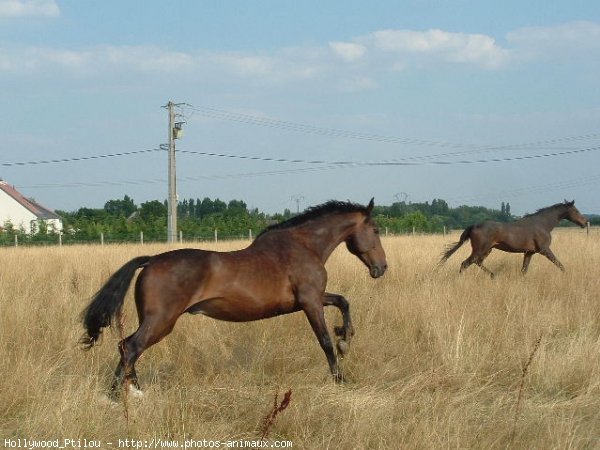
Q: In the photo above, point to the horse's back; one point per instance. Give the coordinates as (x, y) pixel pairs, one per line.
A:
(174, 274)
(514, 237)
(488, 229)
(248, 284)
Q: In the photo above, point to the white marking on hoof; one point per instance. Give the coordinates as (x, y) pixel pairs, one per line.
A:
(342, 347)
(104, 399)
(134, 392)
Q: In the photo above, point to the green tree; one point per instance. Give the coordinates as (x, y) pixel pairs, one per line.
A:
(236, 208)
(152, 210)
(124, 207)
(416, 220)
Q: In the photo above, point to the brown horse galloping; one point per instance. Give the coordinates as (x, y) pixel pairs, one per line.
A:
(528, 235)
(281, 272)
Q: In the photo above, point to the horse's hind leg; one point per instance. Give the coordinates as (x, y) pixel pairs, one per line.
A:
(467, 262)
(346, 331)
(125, 371)
(474, 259)
(151, 331)
(479, 262)
(485, 269)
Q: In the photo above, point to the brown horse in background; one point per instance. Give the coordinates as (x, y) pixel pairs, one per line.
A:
(528, 235)
(281, 272)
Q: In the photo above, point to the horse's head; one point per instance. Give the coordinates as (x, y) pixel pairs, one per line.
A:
(574, 215)
(364, 243)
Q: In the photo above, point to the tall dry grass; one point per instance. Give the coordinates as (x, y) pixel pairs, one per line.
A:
(437, 362)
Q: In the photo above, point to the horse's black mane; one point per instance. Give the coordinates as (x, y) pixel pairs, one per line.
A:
(548, 208)
(330, 207)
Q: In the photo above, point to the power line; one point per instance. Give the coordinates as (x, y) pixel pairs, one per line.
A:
(78, 158)
(220, 114)
(408, 161)
(215, 113)
(264, 158)
(564, 184)
(188, 178)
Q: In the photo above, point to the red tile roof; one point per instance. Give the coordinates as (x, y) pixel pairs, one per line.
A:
(35, 208)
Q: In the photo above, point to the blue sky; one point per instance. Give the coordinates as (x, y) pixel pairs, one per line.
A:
(474, 102)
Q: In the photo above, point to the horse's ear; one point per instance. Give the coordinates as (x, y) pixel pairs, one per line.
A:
(568, 203)
(371, 205)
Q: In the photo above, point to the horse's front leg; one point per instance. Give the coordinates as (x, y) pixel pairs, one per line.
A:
(548, 254)
(526, 260)
(312, 304)
(346, 331)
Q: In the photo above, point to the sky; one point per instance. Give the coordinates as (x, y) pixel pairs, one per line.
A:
(288, 104)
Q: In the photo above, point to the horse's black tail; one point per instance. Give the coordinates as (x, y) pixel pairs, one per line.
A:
(108, 301)
(450, 249)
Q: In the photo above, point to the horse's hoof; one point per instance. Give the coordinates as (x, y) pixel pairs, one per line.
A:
(104, 399)
(338, 378)
(134, 392)
(342, 347)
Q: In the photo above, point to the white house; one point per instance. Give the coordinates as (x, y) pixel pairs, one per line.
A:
(24, 213)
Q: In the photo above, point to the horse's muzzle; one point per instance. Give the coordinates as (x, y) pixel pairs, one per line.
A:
(377, 270)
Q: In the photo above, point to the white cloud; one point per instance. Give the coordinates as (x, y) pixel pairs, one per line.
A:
(245, 64)
(285, 66)
(19, 60)
(21, 8)
(127, 58)
(143, 58)
(339, 63)
(477, 49)
(348, 51)
(280, 66)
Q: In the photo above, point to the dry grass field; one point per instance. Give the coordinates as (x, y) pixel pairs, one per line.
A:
(440, 360)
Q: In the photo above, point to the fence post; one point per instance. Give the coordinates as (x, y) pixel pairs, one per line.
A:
(16, 240)
(60, 239)
(444, 230)
(142, 237)
(250, 234)
(216, 235)
(587, 226)
(413, 230)
(181, 236)
(386, 231)
(101, 238)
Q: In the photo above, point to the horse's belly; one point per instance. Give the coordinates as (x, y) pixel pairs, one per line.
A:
(508, 248)
(515, 247)
(242, 309)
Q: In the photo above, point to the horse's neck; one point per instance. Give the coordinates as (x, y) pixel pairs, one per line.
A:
(551, 219)
(322, 236)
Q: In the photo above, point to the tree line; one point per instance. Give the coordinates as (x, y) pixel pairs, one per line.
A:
(122, 220)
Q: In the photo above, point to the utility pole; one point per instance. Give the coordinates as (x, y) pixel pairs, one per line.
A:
(175, 132)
